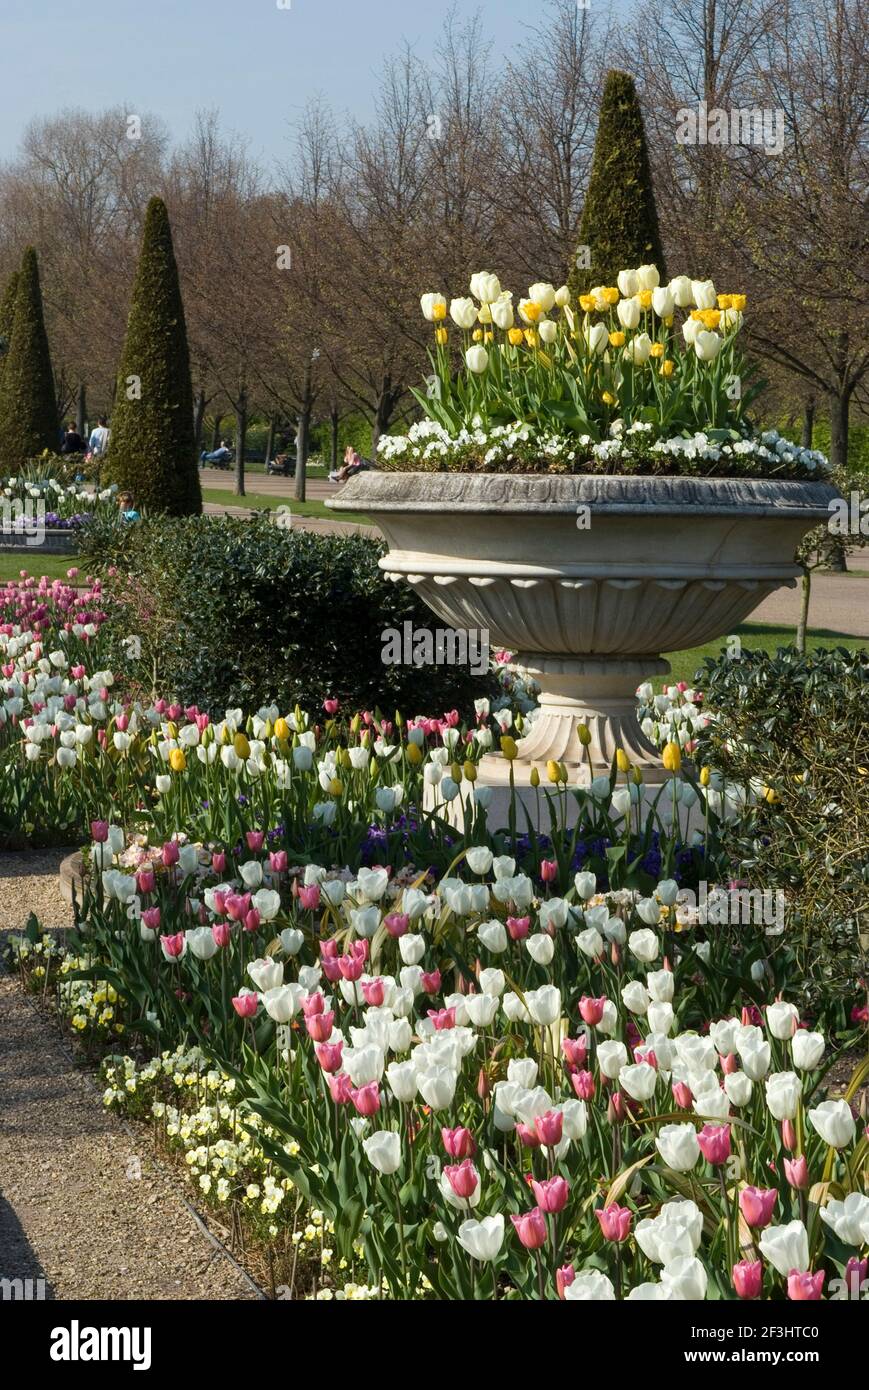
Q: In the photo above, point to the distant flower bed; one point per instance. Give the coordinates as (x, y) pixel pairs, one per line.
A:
(58, 504)
(608, 383)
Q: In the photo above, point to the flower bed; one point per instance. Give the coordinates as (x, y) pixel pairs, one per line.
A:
(633, 378)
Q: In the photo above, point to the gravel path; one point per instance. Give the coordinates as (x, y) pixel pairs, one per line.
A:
(83, 1206)
(29, 883)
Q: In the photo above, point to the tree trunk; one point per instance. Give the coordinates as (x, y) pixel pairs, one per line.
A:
(81, 410)
(808, 423)
(840, 404)
(302, 440)
(198, 419)
(215, 433)
(383, 414)
(803, 624)
(335, 421)
(240, 440)
(270, 441)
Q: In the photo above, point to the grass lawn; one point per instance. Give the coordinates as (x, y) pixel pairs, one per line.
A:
(260, 501)
(754, 637)
(12, 562)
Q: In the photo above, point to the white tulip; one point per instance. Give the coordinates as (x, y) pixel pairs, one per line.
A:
(833, 1120)
(482, 1239)
(383, 1151)
(703, 294)
(628, 311)
(476, 359)
(628, 282)
(677, 1145)
(807, 1049)
(786, 1247)
(590, 1286)
(434, 307)
(544, 295)
(663, 303)
(648, 277)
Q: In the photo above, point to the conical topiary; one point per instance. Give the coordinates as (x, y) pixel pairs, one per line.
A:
(619, 224)
(7, 316)
(152, 449)
(28, 406)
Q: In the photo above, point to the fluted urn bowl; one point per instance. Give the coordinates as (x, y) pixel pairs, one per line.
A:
(588, 579)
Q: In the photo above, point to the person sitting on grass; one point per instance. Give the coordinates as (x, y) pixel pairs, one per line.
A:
(126, 508)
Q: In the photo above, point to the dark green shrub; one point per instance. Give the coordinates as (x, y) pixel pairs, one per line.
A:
(799, 727)
(152, 448)
(28, 407)
(7, 316)
(619, 221)
(233, 612)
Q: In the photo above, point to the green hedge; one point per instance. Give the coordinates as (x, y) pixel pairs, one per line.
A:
(233, 612)
(799, 726)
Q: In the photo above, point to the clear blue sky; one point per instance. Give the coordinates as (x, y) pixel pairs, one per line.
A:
(255, 61)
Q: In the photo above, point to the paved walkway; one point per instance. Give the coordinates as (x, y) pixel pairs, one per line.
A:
(839, 603)
(318, 489)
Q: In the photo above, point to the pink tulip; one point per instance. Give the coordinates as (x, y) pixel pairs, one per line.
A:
(615, 1222)
(173, 946)
(462, 1177)
(151, 918)
(320, 1026)
(564, 1277)
(756, 1205)
(331, 706)
(222, 932)
(255, 840)
(366, 1099)
(245, 1005)
(528, 1136)
(329, 1055)
(431, 982)
(856, 1273)
(351, 967)
(575, 1051)
(549, 870)
(309, 898)
(396, 923)
(278, 861)
(340, 1088)
(714, 1141)
(747, 1277)
(251, 919)
(314, 1004)
(797, 1172)
(788, 1135)
(373, 993)
(146, 880)
(99, 828)
(518, 927)
(591, 1010)
(459, 1142)
(583, 1084)
(549, 1127)
(531, 1229)
(443, 1019)
(237, 906)
(806, 1287)
(551, 1194)
(682, 1095)
(170, 854)
(730, 1064)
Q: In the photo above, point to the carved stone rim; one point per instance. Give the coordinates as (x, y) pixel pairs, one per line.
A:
(615, 494)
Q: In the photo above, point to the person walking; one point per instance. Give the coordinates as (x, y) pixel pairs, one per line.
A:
(99, 440)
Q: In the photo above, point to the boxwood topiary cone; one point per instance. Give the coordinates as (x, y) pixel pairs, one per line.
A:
(7, 316)
(28, 406)
(152, 447)
(619, 223)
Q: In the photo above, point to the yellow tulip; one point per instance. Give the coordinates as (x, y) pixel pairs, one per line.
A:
(645, 298)
(470, 771)
(667, 367)
(608, 398)
(241, 746)
(553, 770)
(336, 786)
(623, 762)
(611, 294)
(516, 336)
(177, 760)
(509, 748)
(656, 350)
(456, 771)
(738, 301)
(636, 776)
(442, 337)
(172, 729)
(724, 301)
(535, 777)
(282, 730)
(617, 339)
(672, 757)
(705, 776)
(583, 733)
(586, 302)
(414, 754)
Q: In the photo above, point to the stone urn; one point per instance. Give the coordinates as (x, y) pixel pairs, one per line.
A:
(588, 579)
